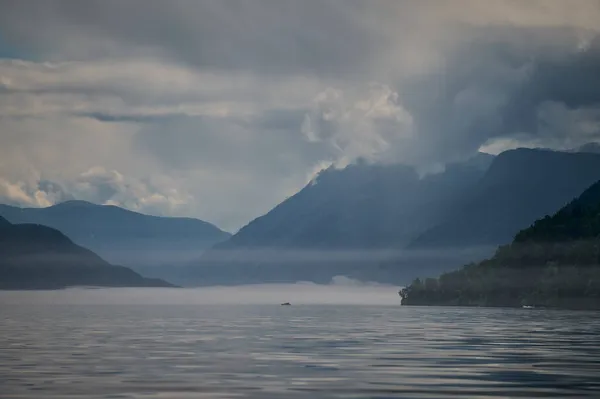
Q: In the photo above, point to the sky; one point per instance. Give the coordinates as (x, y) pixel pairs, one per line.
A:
(222, 109)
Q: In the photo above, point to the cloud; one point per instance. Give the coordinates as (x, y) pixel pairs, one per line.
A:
(497, 85)
(328, 37)
(220, 110)
(112, 188)
(107, 187)
(556, 101)
(268, 36)
(228, 138)
(19, 194)
(139, 88)
(357, 126)
(30, 189)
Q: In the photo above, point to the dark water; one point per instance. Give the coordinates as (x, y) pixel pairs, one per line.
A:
(66, 349)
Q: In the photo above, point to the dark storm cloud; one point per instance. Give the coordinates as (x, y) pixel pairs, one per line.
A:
(274, 36)
(490, 81)
(572, 79)
(499, 83)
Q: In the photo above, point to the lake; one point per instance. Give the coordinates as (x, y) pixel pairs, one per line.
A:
(339, 341)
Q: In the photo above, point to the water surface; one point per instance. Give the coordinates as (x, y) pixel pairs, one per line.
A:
(154, 343)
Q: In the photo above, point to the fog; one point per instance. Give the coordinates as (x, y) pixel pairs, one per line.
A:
(269, 255)
(342, 291)
(259, 266)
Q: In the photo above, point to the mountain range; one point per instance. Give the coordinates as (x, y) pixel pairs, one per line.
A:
(362, 206)
(375, 222)
(352, 221)
(122, 236)
(388, 224)
(520, 187)
(38, 257)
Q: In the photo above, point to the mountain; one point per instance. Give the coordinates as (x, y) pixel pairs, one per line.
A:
(345, 221)
(519, 187)
(589, 147)
(553, 263)
(39, 257)
(122, 236)
(362, 206)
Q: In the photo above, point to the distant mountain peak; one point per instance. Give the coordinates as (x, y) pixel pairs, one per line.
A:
(74, 203)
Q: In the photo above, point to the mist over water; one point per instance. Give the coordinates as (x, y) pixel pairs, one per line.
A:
(341, 291)
(232, 267)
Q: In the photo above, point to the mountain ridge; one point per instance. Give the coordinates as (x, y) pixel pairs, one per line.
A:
(34, 256)
(555, 262)
(363, 208)
(120, 235)
(519, 187)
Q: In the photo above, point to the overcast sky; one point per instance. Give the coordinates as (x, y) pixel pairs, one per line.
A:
(221, 109)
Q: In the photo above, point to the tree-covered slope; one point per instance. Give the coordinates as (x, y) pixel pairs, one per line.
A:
(554, 263)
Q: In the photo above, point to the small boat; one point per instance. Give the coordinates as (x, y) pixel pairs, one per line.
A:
(286, 304)
(527, 307)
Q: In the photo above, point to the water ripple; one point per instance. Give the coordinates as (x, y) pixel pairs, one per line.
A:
(178, 351)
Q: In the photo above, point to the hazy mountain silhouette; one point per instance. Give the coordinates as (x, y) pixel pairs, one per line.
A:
(122, 236)
(344, 219)
(360, 206)
(520, 186)
(38, 257)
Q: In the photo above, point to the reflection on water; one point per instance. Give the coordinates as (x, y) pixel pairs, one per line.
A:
(303, 351)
